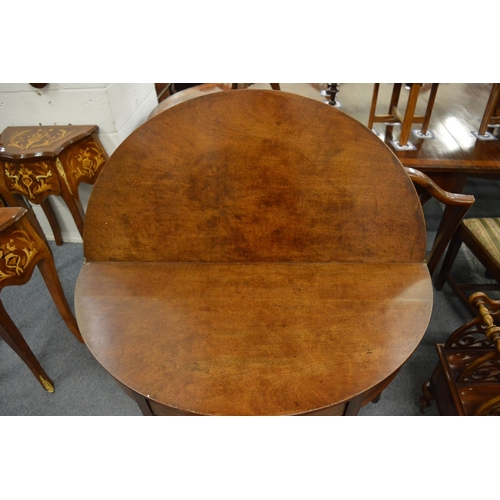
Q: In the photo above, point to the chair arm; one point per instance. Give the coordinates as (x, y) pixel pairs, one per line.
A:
(456, 199)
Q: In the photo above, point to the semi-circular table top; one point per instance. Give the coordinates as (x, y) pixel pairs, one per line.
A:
(253, 252)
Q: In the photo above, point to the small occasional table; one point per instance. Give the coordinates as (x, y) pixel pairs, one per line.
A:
(36, 162)
(253, 253)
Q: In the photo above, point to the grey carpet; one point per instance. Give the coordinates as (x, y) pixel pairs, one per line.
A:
(84, 388)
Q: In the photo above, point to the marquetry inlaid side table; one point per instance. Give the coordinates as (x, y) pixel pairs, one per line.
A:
(51, 160)
(21, 249)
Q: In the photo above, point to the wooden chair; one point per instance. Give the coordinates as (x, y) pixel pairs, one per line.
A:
(466, 379)
(491, 115)
(456, 206)
(394, 116)
(482, 238)
(21, 248)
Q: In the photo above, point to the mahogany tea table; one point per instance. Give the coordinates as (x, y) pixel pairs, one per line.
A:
(253, 253)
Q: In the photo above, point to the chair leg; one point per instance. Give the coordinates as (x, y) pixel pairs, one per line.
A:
(409, 114)
(396, 92)
(11, 334)
(373, 107)
(49, 274)
(450, 221)
(451, 254)
(430, 106)
(491, 106)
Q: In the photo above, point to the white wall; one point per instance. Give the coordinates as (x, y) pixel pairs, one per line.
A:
(116, 108)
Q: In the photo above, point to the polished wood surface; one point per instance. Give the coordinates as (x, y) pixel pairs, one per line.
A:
(190, 93)
(17, 143)
(21, 249)
(266, 266)
(252, 338)
(454, 154)
(254, 177)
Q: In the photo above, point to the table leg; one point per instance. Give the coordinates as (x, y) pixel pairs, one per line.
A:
(354, 405)
(12, 336)
(49, 273)
(75, 207)
(51, 217)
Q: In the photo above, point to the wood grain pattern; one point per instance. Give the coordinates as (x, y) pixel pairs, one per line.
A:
(252, 339)
(254, 176)
(253, 253)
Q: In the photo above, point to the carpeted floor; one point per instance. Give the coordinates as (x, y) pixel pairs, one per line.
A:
(82, 387)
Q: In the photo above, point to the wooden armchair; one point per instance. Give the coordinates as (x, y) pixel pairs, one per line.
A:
(482, 238)
(21, 248)
(466, 380)
(456, 206)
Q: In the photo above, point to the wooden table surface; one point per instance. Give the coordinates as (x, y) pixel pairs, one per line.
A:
(454, 154)
(253, 253)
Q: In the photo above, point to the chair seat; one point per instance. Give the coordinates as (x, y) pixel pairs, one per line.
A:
(486, 231)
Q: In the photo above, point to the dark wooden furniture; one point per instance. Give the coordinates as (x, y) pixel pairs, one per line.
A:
(482, 238)
(394, 116)
(265, 266)
(52, 160)
(331, 92)
(456, 206)
(21, 249)
(466, 380)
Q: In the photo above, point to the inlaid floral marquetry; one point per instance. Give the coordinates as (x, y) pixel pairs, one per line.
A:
(16, 254)
(41, 137)
(36, 162)
(35, 180)
(84, 162)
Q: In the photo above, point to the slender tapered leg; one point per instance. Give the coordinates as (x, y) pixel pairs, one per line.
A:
(11, 334)
(51, 217)
(49, 274)
(451, 254)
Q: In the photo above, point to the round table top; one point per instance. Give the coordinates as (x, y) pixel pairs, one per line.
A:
(253, 252)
